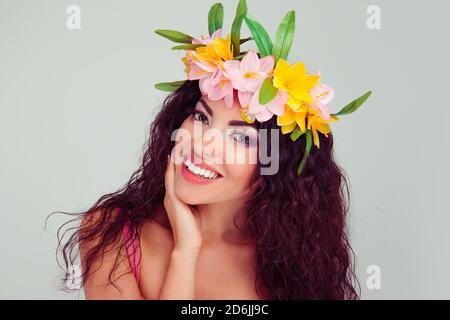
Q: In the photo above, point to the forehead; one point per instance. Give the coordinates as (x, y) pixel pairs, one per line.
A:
(219, 108)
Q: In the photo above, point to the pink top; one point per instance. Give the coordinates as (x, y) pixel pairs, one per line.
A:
(133, 250)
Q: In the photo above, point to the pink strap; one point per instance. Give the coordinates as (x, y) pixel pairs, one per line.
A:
(133, 250)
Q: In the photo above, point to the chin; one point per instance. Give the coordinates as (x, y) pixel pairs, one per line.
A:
(188, 195)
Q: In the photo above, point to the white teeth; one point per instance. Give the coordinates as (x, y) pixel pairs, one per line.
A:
(200, 171)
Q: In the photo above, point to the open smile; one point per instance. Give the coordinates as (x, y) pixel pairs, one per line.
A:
(198, 173)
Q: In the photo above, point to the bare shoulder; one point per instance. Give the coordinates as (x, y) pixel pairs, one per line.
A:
(156, 233)
(93, 218)
(91, 225)
(156, 242)
(109, 275)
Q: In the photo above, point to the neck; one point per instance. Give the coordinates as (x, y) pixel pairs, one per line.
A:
(217, 222)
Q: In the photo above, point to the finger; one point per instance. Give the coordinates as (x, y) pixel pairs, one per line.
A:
(170, 185)
(169, 176)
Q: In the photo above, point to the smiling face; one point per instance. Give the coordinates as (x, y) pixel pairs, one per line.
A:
(215, 154)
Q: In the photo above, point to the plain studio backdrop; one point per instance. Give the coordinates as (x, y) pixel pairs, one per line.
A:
(76, 106)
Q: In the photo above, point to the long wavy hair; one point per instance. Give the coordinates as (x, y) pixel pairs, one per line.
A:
(298, 223)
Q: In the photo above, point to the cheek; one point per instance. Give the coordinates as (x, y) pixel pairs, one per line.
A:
(241, 154)
(240, 171)
(183, 138)
(239, 175)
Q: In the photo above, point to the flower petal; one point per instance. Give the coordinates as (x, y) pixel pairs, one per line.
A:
(281, 68)
(244, 98)
(217, 34)
(296, 74)
(276, 108)
(323, 92)
(315, 137)
(289, 128)
(310, 82)
(215, 93)
(229, 99)
(300, 119)
(264, 115)
(250, 62)
(301, 95)
(287, 118)
(266, 64)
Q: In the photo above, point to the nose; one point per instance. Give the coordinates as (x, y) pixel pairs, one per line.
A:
(208, 144)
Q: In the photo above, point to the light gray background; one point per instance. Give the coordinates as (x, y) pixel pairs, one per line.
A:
(76, 107)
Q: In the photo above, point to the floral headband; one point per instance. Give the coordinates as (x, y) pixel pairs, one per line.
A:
(265, 82)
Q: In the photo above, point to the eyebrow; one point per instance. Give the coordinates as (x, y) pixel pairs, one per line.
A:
(231, 122)
(207, 107)
(242, 123)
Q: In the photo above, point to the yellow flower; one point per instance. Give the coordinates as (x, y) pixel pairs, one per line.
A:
(304, 118)
(249, 118)
(224, 48)
(290, 119)
(317, 123)
(214, 54)
(187, 65)
(295, 81)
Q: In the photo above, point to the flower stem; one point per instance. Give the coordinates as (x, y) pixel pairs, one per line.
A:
(306, 154)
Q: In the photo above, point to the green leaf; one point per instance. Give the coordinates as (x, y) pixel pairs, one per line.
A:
(239, 57)
(306, 154)
(241, 11)
(169, 86)
(267, 92)
(245, 40)
(355, 104)
(262, 39)
(215, 18)
(297, 133)
(174, 36)
(284, 37)
(188, 46)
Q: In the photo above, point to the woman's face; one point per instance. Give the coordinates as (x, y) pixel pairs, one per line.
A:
(215, 154)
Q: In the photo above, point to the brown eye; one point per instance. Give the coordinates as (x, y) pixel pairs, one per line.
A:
(199, 116)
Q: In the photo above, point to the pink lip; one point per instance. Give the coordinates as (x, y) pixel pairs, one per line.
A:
(193, 178)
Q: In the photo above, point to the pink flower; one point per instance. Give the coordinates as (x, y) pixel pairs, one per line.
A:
(194, 72)
(208, 39)
(266, 111)
(217, 87)
(248, 75)
(322, 95)
(206, 61)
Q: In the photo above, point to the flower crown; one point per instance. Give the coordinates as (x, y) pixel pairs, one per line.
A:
(265, 82)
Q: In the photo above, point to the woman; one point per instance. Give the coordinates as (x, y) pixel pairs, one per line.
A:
(290, 240)
(194, 223)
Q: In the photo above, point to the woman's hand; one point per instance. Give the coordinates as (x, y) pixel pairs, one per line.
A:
(184, 219)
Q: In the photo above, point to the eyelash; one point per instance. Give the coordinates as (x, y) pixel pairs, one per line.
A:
(200, 113)
(246, 138)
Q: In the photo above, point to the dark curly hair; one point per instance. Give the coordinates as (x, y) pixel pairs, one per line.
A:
(298, 223)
